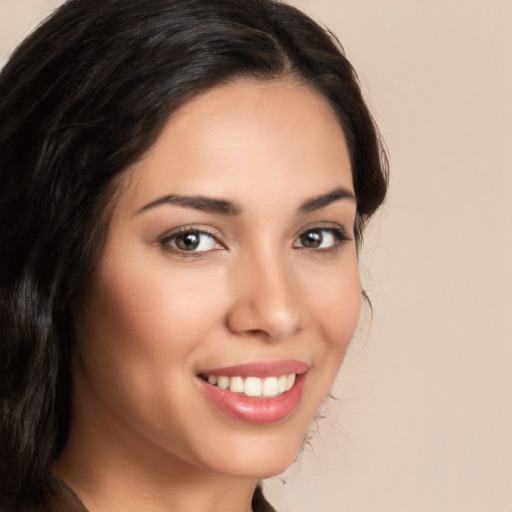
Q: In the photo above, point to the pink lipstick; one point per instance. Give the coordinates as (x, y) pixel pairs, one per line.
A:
(261, 392)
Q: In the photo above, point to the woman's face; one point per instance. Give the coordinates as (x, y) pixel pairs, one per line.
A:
(230, 258)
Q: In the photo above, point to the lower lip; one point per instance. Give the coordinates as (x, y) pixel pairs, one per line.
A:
(257, 410)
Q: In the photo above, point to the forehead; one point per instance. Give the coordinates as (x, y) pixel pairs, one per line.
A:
(244, 138)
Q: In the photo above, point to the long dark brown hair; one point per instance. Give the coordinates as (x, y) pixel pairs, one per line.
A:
(81, 100)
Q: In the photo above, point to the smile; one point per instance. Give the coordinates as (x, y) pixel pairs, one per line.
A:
(258, 393)
(253, 386)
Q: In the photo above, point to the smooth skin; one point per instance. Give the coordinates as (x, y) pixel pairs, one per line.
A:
(264, 274)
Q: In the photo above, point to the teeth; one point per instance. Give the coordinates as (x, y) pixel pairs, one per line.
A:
(254, 386)
(270, 386)
(281, 384)
(290, 380)
(236, 385)
(223, 382)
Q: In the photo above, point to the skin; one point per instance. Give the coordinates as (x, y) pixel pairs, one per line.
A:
(144, 435)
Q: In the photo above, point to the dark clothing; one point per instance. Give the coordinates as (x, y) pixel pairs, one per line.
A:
(65, 500)
(259, 503)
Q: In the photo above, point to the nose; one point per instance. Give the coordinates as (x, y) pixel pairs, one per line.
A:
(266, 299)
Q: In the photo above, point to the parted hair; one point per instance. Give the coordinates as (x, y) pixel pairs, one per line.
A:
(82, 99)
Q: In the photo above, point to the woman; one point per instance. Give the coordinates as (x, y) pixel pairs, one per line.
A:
(184, 186)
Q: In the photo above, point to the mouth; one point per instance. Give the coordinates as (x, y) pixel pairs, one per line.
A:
(259, 393)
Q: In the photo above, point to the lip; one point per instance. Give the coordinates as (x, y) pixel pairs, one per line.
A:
(261, 369)
(257, 410)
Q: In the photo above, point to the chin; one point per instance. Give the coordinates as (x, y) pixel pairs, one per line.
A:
(260, 457)
(273, 464)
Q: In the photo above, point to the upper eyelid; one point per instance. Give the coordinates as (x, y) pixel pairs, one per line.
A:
(187, 229)
(328, 226)
(164, 241)
(338, 229)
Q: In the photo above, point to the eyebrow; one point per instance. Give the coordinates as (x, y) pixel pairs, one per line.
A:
(323, 200)
(203, 203)
(225, 207)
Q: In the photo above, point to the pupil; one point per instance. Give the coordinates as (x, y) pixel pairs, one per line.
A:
(312, 239)
(188, 241)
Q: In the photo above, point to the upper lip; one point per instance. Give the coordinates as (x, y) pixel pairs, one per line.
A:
(260, 369)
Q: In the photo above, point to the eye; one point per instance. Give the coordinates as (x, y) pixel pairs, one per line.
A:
(321, 238)
(191, 241)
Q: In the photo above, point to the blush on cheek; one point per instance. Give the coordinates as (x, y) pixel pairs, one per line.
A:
(338, 309)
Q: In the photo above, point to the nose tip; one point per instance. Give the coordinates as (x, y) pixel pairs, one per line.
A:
(266, 304)
(247, 317)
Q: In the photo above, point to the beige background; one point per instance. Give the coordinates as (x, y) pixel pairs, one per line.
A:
(423, 420)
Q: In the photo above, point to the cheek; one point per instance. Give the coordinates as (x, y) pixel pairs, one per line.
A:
(337, 305)
(139, 332)
(144, 318)
(151, 304)
(341, 309)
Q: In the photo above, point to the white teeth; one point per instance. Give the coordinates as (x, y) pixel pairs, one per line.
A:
(223, 382)
(236, 385)
(281, 384)
(270, 387)
(290, 380)
(254, 386)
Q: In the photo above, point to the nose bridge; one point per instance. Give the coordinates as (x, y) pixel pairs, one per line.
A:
(267, 299)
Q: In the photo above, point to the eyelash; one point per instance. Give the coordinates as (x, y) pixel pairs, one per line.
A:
(339, 238)
(339, 235)
(166, 241)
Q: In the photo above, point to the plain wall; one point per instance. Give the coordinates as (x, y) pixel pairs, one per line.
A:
(423, 416)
